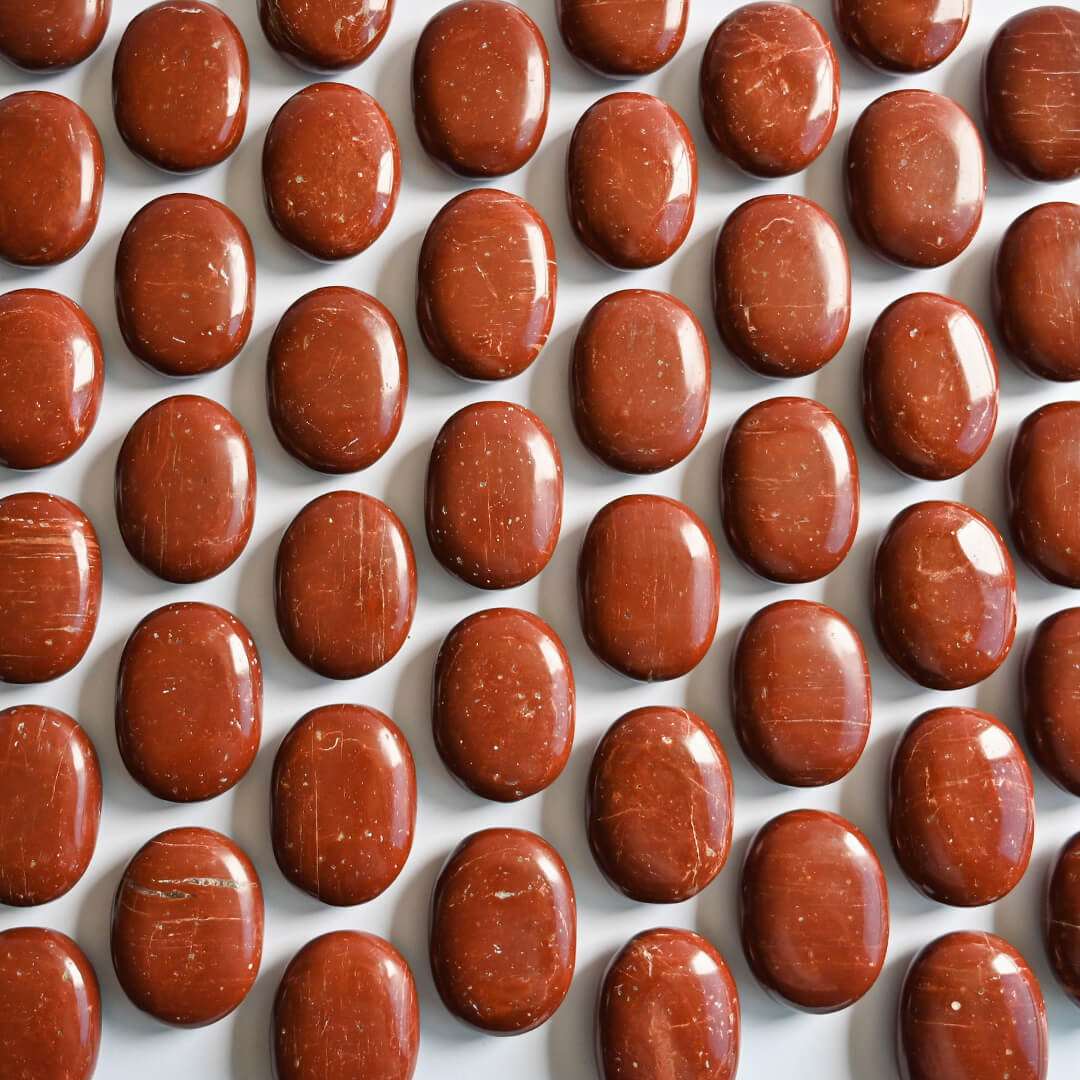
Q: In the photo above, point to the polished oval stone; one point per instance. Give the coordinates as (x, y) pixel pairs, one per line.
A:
(640, 381)
(971, 1009)
(1061, 922)
(180, 85)
(930, 386)
(486, 285)
(51, 378)
(502, 710)
(1031, 93)
(668, 1007)
(1043, 469)
(50, 805)
(659, 805)
(782, 286)
(770, 88)
(49, 199)
(345, 585)
(346, 1007)
(185, 489)
(331, 170)
(623, 38)
(337, 377)
(961, 807)
(814, 910)
(1036, 290)
(51, 36)
(185, 284)
(187, 927)
(789, 490)
(503, 931)
(649, 587)
(49, 994)
(916, 178)
(801, 693)
(325, 38)
(50, 586)
(189, 702)
(1051, 689)
(343, 803)
(902, 36)
(494, 500)
(944, 595)
(632, 179)
(481, 82)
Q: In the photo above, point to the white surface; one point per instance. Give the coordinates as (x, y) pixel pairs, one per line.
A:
(854, 1044)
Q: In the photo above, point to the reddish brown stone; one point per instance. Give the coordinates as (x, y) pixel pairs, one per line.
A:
(659, 805)
(50, 806)
(502, 709)
(185, 489)
(325, 38)
(343, 804)
(53, 36)
(814, 910)
(1051, 689)
(187, 927)
(346, 1008)
(345, 585)
(189, 702)
(902, 36)
(623, 38)
(1061, 921)
(503, 931)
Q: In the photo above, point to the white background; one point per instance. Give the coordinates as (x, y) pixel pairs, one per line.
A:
(777, 1041)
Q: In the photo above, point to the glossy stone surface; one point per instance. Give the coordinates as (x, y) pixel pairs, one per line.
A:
(185, 284)
(51, 378)
(944, 595)
(331, 170)
(50, 995)
(48, 37)
(770, 88)
(187, 927)
(971, 1009)
(50, 586)
(345, 585)
(623, 38)
(782, 286)
(487, 279)
(961, 807)
(659, 805)
(337, 377)
(1051, 688)
(189, 702)
(1044, 471)
(668, 1007)
(325, 38)
(649, 587)
(494, 500)
(916, 178)
(502, 704)
(902, 36)
(180, 85)
(185, 489)
(930, 386)
(789, 490)
(50, 805)
(343, 803)
(503, 931)
(632, 178)
(346, 1007)
(51, 197)
(481, 82)
(1061, 922)
(1031, 93)
(801, 693)
(640, 381)
(1036, 290)
(814, 910)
